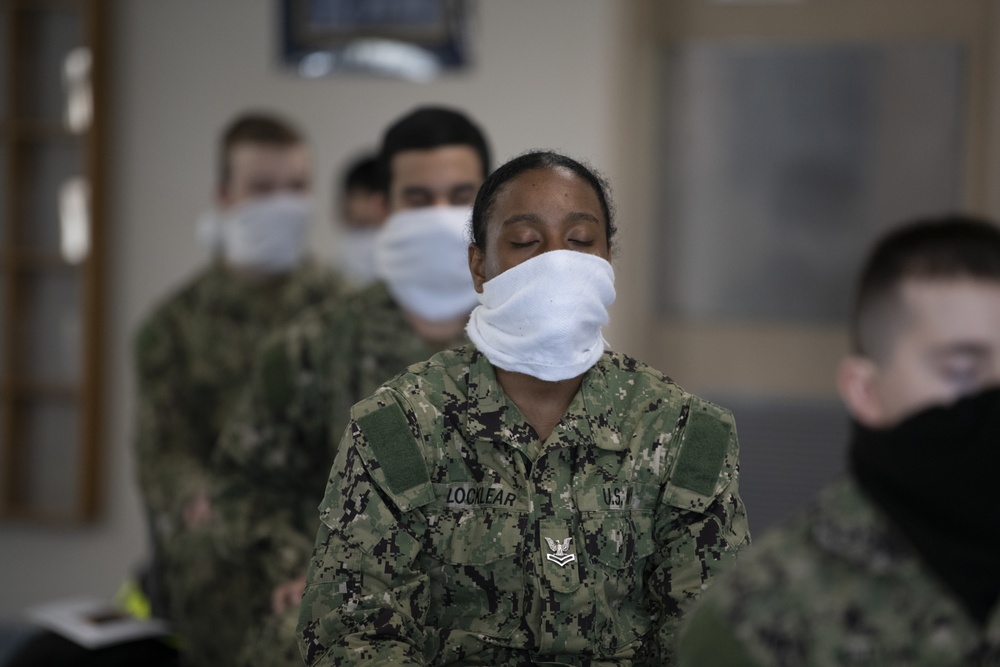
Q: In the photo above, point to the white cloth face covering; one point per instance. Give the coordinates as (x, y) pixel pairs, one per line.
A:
(267, 234)
(208, 231)
(544, 316)
(354, 256)
(423, 256)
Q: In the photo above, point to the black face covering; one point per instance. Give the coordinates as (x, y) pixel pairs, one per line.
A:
(936, 476)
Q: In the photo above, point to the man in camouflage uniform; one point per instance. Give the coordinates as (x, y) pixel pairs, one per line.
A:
(192, 357)
(899, 562)
(463, 524)
(277, 448)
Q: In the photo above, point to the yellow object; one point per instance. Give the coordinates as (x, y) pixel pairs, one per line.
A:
(132, 600)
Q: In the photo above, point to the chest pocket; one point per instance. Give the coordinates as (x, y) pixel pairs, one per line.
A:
(474, 560)
(618, 545)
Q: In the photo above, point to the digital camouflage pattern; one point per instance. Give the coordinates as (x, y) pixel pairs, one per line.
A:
(193, 356)
(835, 587)
(451, 535)
(276, 450)
(271, 641)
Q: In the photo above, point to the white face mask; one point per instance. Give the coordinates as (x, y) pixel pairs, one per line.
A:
(423, 256)
(267, 234)
(208, 231)
(354, 256)
(544, 316)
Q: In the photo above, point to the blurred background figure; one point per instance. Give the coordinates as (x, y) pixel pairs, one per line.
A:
(898, 562)
(362, 212)
(277, 446)
(193, 354)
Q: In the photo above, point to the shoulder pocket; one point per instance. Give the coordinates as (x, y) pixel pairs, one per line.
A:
(698, 472)
(396, 458)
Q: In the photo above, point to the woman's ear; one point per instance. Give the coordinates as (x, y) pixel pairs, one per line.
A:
(477, 262)
(857, 383)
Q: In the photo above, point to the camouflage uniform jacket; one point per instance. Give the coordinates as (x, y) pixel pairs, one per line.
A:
(193, 355)
(836, 586)
(452, 535)
(275, 451)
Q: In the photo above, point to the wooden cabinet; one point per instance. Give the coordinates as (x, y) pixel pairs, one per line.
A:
(52, 218)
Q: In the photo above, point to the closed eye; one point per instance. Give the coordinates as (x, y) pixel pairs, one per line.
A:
(965, 378)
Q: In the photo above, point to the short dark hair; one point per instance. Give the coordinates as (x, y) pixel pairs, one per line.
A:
(362, 174)
(426, 128)
(944, 248)
(487, 195)
(255, 128)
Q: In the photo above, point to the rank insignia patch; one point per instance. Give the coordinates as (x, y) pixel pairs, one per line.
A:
(560, 557)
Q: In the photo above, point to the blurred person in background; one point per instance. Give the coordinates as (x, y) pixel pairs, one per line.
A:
(898, 563)
(277, 447)
(362, 212)
(193, 355)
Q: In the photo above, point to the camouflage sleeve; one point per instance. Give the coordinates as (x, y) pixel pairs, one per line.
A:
(171, 428)
(766, 611)
(701, 523)
(366, 598)
(269, 455)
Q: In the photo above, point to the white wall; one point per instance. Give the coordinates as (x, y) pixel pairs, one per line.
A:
(546, 75)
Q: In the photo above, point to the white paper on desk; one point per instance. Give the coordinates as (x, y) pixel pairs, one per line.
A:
(94, 623)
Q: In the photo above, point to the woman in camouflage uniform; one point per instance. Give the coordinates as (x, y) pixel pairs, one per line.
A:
(529, 498)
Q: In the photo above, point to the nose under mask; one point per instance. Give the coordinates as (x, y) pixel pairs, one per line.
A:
(266, 234)
(544, 316)
(423, 256)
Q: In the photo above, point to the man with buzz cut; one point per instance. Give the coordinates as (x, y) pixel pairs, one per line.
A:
(192, 356)
(898, 563)
(278, 446)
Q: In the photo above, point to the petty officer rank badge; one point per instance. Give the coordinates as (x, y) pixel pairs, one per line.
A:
(560, 557)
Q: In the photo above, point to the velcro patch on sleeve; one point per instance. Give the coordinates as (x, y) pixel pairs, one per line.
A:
(706, 440)
(395, 448)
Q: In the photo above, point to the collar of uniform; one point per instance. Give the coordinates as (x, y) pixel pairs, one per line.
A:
(588, 411)
(848, 524)
(844, 522)
(486, 394)
(226, 293)
(375, 304)
(378, 292)
(598, 420)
